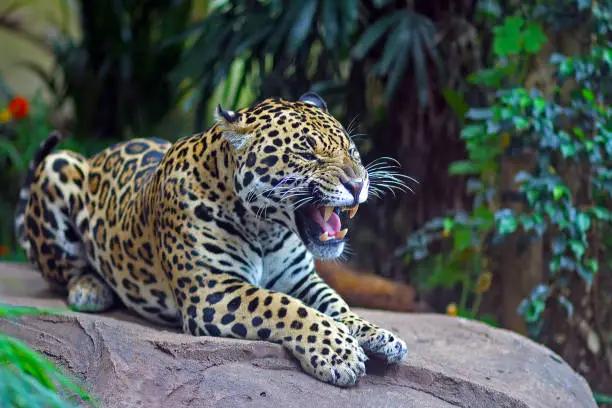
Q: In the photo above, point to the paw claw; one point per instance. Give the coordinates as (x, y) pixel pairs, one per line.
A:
(379, 342)
(342, 365)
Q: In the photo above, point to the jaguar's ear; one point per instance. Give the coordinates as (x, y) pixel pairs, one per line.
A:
(227, 116)
(233, 129)
(312, 98)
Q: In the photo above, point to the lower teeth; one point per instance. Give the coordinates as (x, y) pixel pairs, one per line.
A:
(339, 235)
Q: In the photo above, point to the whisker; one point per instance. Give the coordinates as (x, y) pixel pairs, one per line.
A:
(352, 125)
(379, 175)
(356, 136)
(389, 178)
(300, 203)
(380, 159)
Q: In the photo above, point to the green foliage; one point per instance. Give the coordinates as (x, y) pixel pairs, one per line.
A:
(514, 42)
(515, 36)
(409, 36)
(19, 139)
(117, 74)
(461, 263)
(560, 133)
(279, 48)
(602, 398)
(27, 379)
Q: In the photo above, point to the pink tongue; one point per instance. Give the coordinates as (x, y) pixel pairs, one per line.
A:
(331, 226)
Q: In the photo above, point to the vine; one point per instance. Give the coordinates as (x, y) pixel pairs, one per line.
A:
(565, 196)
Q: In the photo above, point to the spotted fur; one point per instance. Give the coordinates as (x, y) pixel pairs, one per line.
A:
(205, 233)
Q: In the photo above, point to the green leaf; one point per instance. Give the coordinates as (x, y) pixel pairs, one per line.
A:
(566, 68)
(448, 224)
(579, 132)
(588, 95)
(558, 192)
(462, 238)
(283, 26)
(489, 319)
(488, 77)
(302, 25)
(535, 310)
(533, 38)
(577, 248)
(583, 221)
(507, 38)
(534, 305)
(490, 8)
(592, 264)
(554, 264)
(420, 70)
(601, 398)
(506, 222)
(485, 217)
(567, 150)
(8, 150)
(7, 311)
(456, 102)
(559, 245)
(556, 58)
(463, 167)
(391, 51)
(479, 113)
(539, 104)
(586, 274)
(602, 213)
(398, 70)
(520, 123)
(472, 131)
(373, 34)
(349, 9)
(329, 17)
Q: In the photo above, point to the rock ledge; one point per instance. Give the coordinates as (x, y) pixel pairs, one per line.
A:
(451, 362)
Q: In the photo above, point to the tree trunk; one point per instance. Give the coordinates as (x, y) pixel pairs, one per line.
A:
(519, 269)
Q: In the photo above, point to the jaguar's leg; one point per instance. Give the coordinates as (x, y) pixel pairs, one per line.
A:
(312, 290)
(54, 212)
(222, 305)
(89, 293)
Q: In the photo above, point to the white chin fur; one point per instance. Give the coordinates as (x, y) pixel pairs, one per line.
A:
(326, 252)
(363, 195)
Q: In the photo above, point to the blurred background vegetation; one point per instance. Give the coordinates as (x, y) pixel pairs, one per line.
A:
(499, 108)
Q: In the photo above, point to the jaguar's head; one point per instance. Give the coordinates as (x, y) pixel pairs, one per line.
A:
(295, 164)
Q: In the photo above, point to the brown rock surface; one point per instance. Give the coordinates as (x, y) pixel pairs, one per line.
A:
(127, 363)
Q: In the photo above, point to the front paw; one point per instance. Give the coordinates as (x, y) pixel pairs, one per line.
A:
(328, 352)
(375, 341)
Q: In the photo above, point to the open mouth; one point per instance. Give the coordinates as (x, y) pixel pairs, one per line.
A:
(320, 225)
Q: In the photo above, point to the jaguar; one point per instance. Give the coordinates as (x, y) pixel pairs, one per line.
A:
(217, 233)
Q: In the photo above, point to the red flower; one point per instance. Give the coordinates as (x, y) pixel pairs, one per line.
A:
(19, 107)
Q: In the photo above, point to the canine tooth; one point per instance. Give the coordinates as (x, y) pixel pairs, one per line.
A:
(324, 237)
(353, 211)
(341, 234)
(327, 213)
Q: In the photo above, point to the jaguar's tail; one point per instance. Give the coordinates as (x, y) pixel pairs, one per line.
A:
(43, 150)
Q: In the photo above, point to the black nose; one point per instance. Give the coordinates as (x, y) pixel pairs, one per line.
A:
(354, 187)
